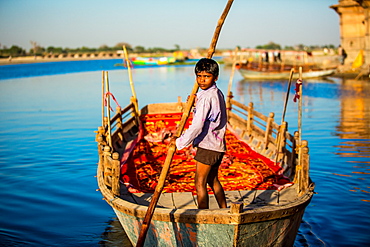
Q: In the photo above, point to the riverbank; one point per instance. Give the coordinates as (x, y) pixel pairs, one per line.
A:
(343, 71)
(39, 59)
(86, 56)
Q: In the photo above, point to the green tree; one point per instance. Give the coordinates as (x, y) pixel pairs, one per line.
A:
(86, 49)
(36, 48)
(119, 46)
(270, 46)
(14, 51)
(156, 50)
(54, 50)
(103, 48)
(300, 47)
(139, 49)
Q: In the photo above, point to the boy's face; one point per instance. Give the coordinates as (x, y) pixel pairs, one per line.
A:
(205, 80)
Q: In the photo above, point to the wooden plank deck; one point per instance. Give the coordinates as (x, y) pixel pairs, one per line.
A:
(186, 200)
(183, 200)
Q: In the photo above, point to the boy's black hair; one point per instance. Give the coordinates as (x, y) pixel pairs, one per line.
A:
(207, 65)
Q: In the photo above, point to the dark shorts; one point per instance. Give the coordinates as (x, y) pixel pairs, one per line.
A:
(209, 157)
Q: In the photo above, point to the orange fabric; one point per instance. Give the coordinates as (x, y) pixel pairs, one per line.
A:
(241, 169)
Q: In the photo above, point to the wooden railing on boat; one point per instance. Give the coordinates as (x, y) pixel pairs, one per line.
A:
(272, 140)
(113, 138)
(259, 131)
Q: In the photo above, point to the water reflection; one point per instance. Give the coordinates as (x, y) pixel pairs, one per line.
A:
(354, 130)
(114, 235)
(346, 100)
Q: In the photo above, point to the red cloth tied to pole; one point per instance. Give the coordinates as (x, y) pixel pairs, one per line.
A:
(106, 102)
(297, 90)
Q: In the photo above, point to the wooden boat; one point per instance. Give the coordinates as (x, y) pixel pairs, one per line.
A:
(280, 71)
(153, 60)
(265, 176)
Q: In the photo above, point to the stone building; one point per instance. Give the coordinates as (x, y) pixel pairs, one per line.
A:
(354, 28)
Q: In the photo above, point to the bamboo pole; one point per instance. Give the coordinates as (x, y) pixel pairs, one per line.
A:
(229, 94)
(131, 80)
(108, 107)
(279, 137)
(287, 94)
(300, 151)
(172, 147)
(300, 106)
(232, 71)
(102, 97)
(295, 154)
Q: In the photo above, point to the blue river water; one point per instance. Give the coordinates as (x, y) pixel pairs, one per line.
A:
(48, 156)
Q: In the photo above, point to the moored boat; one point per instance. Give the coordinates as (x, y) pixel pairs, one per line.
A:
(153, 60)
(265, 175)
(281, 71)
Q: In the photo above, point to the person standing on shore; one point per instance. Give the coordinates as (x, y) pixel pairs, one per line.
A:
(342, 53)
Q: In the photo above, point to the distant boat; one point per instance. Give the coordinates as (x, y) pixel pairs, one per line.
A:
(147, 62)
(153, 60)
(252, 74)
(280, 71)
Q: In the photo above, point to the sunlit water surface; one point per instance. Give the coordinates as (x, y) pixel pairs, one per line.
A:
(48, 155)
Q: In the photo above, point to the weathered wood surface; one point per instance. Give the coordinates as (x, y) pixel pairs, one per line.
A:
(186, 200)
(190, 234)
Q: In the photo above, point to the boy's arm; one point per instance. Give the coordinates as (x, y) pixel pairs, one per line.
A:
(196, 126)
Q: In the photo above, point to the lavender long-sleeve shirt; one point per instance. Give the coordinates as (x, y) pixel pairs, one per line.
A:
(209, 122)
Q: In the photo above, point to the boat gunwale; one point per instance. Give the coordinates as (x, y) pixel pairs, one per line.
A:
(207, 216)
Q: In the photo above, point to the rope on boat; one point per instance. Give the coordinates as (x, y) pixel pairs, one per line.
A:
(106, 102)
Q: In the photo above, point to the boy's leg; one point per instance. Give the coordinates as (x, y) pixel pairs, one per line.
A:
(201, 175)
(216, 187)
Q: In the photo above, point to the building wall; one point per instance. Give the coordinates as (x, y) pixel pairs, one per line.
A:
(354, 28)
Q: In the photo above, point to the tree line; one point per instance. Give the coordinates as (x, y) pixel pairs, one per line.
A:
(37, 50)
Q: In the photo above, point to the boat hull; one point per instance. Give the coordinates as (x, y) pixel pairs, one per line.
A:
(274, 232)
(253, 74)
(267, 225)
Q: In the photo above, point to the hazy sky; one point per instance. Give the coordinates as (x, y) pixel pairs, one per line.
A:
(166, 23)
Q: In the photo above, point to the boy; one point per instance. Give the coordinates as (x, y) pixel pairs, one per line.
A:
(207, 133)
